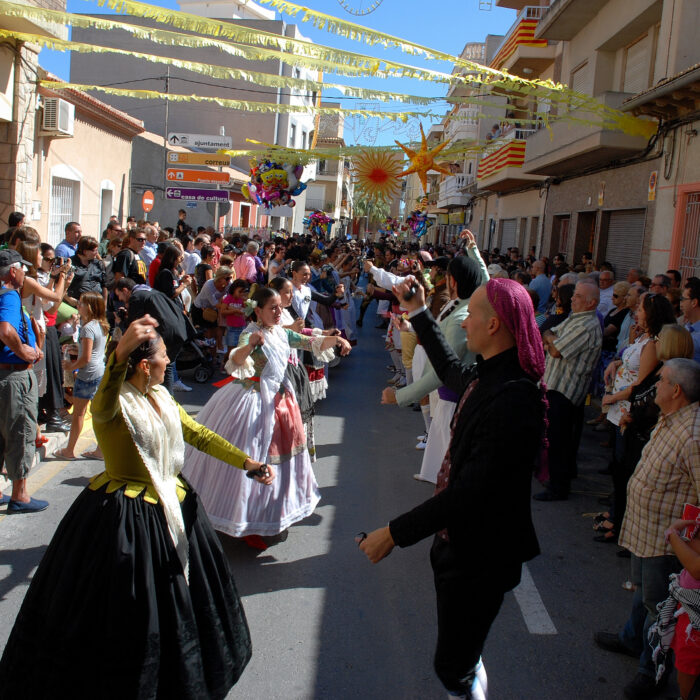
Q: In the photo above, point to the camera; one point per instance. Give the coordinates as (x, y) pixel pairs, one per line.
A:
(59, 261)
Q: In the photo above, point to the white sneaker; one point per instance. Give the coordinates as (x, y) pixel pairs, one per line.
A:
(422, 436)
(421, 445)
(180, 386)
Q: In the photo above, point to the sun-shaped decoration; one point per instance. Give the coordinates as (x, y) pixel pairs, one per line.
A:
(377, 174)
(424, 160)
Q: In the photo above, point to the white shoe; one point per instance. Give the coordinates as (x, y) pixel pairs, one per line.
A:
(394, 379)
(422, 436)
(421, 445)
(418, 477)
(180, 386)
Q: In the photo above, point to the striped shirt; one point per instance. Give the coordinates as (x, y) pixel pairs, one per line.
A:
(666, 478)
(579, 340)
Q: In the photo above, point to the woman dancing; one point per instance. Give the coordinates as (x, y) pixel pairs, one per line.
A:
(134, 597)
(259, 410)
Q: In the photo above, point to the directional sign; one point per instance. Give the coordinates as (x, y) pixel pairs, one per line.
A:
(203, 177)
(196, 195)
(198, 158)
(200, 141)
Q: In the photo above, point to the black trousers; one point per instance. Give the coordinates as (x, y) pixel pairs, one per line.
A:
(564, 435)
(53, 397)
(468, 600)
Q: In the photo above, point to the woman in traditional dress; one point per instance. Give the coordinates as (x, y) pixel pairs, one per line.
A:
(259, 410)
(133, 597)
(296, 372)
(304, 301)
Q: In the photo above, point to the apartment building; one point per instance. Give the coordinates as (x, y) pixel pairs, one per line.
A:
(204, 118)
(576, 187)
(332, 189)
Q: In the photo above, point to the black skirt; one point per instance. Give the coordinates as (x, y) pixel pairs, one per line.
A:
(109, 614)
(299, 378)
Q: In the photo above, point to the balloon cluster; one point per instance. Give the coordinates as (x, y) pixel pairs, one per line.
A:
(390, 227)
(274, 184)
(319, 222)
(417, 221)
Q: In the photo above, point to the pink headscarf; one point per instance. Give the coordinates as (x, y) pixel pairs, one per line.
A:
(513, 305)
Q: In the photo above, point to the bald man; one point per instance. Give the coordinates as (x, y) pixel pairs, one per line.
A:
(573, 349)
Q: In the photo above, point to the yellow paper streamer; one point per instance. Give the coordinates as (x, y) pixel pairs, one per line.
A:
(242, 105)
(224, 72)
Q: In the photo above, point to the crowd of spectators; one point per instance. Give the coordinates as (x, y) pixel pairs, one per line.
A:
(617, 341)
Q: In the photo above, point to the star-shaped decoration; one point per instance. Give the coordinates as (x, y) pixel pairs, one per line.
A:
(423, 160)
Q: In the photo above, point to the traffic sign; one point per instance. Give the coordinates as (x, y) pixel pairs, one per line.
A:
(203, 177)
(195, 195)
(198, 158)
(147, 201)
(200, 141)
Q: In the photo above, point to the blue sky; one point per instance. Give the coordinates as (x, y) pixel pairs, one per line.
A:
(445, 26)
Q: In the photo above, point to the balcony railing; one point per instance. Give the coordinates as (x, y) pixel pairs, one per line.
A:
(522, 32)
(509, 132)
(452, 189)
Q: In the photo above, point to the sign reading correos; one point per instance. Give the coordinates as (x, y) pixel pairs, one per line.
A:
(197, 158)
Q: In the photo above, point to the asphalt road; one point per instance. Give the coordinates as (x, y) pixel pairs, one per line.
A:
(326, 624)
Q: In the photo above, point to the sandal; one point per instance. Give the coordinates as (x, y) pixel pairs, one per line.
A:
(58, 454)
(41, 441)
(92, 454)
(255, 542)
(600, 517)
(604, 526)
(610, 537)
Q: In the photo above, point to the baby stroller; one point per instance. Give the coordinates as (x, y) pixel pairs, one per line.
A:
(192, 359)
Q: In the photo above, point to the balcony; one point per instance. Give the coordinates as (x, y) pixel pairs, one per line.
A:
(452, 193)
(572, 146)
(461, 127)
(564, 19)
(501, 167)
(521, 34)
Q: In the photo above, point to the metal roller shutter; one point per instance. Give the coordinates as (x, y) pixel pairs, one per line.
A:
(637, 65)
(625, 238)
(582, 79)
(510, 229)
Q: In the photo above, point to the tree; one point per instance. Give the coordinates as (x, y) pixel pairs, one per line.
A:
(375, 210)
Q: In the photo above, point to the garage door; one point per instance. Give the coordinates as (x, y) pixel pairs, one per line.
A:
(510, 228)
(625, 238)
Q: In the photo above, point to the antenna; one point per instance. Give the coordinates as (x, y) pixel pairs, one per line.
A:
(486, 5)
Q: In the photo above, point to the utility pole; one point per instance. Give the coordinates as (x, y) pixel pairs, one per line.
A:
(222, 132)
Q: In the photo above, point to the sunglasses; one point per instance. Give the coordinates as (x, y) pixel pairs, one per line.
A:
(141, 240)
(46, 259)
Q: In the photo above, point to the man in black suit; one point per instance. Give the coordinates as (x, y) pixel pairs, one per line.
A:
(480, 513)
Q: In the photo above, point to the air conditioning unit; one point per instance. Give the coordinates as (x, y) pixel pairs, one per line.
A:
(58, 117)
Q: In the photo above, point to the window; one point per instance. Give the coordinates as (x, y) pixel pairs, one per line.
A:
(304, 137)
(297, 73)
(637, 62)
(582, 79)
(292, 135)
(64, 207)
(321, 166)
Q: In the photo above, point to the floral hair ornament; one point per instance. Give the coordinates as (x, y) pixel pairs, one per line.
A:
(250, 306)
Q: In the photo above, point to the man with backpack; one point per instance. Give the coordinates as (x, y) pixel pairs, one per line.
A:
(128, 262)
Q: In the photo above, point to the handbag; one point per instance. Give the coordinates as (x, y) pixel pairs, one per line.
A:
(210, 314)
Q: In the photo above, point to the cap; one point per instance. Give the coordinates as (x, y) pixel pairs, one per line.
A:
(223, 271)
(425, 256)
(494, 269)
(10, 257)
(441, 263)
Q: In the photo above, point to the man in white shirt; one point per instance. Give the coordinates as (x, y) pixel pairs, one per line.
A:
(606, 281)
(150, 247)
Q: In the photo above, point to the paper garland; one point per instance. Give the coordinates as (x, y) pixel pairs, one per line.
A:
(243, 105)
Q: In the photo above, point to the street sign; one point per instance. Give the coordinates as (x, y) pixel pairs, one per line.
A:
(195, 195)
(191, 205)
(200, 141)
(203, 177)
(198, 158)
(147, 201)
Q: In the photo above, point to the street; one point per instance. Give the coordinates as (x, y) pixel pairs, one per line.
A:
(327, 624)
